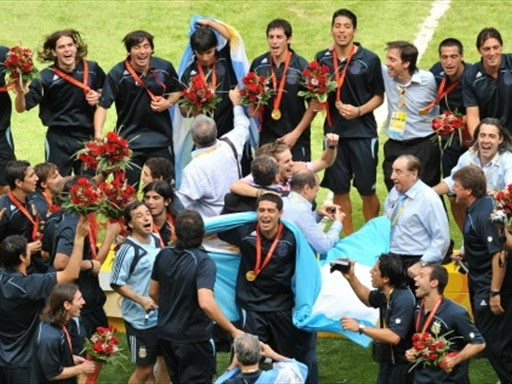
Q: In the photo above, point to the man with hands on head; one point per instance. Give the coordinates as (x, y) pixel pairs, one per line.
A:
(396, 306)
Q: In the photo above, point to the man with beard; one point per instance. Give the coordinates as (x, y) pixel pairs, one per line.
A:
(264, 282)
(67, 93)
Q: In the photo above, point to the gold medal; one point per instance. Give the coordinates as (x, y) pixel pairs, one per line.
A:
(424, 111)
(250, 276)
(276, 114)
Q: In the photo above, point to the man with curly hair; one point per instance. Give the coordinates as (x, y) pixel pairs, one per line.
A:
(67, 93)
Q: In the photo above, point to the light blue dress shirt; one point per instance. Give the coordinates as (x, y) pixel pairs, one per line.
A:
(298, 211)
(421, 226)
(498, 171)
(411, 98)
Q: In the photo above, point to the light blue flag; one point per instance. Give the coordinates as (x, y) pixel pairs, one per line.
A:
(312, 282)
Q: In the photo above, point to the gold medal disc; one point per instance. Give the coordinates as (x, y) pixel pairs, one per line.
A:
(276, 114)
(250, 276)
(424, 112)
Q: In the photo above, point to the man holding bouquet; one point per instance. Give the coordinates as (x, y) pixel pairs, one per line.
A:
(359, 90)
(67, 93)
(286, 116)
(450, 326)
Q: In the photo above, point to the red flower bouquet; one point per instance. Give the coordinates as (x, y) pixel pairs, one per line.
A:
(109, 153)
(199, 96)
(502, 212)
(431, 349)
(83, 198)
(317, 81)
(102, 347)
(448, 124)
(256, 92)
(19, 65)
(116, 195)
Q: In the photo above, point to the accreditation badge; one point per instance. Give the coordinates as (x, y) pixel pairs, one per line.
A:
(397, 124)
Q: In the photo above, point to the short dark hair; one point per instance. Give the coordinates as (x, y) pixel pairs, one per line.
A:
(54, 312)
(45, 55)
(473, 178)
(129, 209)
(507, 140)
(302, 178)
(264, 170)
(486, 34)
(280, 24)
(16, 170)
(451, 42)
(392, 267)
(189, 229)
(345, 13)
(203, 39)
(272, 197)
(247, 349)
(164, 189)
(203, 131)
(137, 37)
(439, 273)
(161, 167)
(408, 53)
(12, 248)
(43, 172)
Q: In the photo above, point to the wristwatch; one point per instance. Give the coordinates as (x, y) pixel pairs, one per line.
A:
(494, 293)
(361, 328)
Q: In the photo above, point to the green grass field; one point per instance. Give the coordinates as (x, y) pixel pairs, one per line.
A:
(104, 24)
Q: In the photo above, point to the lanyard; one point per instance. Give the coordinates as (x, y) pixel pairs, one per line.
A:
(138, 80)
(430, 316)
(259, 265)
(23, 210)
(441, 92)
(276, 114)
(213, 77)
(68, 338)
(81, 84)
(340, 79)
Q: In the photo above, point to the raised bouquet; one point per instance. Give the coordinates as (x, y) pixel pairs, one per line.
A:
(502, 213)
(256, 92)
(317, 81)
(448, 124)
(116, 195)
(106, 154)
(102, 347)
(199, 97)
(19, 65)
(432, 349)
(83, 197)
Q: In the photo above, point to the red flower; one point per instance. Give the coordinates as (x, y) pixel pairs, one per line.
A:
(317, 81)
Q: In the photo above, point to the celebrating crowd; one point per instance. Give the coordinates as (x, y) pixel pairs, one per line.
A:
(454, 120)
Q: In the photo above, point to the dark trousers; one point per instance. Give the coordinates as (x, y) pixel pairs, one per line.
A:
(426, 149)
(277, 330)
(497, 332)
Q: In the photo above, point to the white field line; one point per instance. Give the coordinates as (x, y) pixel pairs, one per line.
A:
(425, 34)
